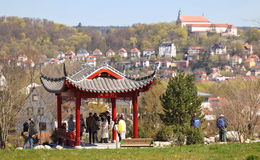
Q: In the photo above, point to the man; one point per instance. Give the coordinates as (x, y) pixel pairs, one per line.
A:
(222, 126)
(91, 127)
(71, 125)
(29, 131)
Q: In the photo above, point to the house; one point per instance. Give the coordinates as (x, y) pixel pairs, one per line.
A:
(195, 50)
(69, 55)
(54, 61)
(38, 106)
(134, 53)
(110, 53)
(180, 64)
(142, 63)
(97, 52)
(169, 73)
(193, 53)
(124, 65)
(60, 55)
(122, 53)
(218, 48)
(3, 82)
(162, 64)
(148, 53)
(91, 60)
(223, 29)
(22, 58)
(251, 61)
(23, 61)
(82, 53)
(167, 49)
(235, 60)
(255, 71)
(248, 49)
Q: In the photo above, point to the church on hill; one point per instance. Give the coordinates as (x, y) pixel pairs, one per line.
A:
(200, 24)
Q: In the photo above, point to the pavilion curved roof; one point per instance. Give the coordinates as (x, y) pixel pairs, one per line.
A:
(90, 79)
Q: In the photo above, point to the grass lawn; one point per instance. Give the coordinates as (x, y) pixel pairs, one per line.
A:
(196, 152)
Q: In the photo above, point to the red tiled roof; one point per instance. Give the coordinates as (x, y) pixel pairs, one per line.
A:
(193, 19)
(196, 47)
(253, 56)
(134, 50)
(96, 51)
(122, 50)
(110, 51)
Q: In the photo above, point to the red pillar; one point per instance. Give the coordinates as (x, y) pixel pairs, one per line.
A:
(59, 102)
(113, 101)
(135, 116)
(77, 138)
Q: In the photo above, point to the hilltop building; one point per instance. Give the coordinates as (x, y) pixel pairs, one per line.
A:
(200, 24)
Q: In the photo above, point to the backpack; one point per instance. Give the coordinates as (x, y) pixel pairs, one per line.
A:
(221, 123)
(196, 123)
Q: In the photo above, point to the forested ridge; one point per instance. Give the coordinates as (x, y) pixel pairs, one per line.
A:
(48, 38)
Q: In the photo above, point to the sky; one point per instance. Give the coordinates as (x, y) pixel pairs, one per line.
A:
(128, 12)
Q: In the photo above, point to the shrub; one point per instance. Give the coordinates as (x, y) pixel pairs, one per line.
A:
(194, 136)
(165, 133)
(252, 157)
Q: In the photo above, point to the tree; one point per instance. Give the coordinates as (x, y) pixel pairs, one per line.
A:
(180, 101)
(150, 107)
(241, 105)
(11, 99)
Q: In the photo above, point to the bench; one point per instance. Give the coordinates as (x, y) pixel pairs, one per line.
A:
(65, 138)
(137, 142)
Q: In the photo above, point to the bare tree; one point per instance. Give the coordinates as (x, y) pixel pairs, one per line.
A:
(11, 99)
(241, 106)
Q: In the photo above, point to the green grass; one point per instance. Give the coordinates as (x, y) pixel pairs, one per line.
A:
(196, 152)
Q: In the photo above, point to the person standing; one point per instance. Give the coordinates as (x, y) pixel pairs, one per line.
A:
(195, 122)
(121, 127)
(97, 125)
(91, 127)
(71, 125)
(104, 130)
(222, 126)
(29, 132)
(82, 126)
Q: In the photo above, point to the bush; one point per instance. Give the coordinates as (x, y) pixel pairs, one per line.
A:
(165, 133)
(194, 136)
(252, 157)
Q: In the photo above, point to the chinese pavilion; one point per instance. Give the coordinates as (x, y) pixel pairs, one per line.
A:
(97, 82)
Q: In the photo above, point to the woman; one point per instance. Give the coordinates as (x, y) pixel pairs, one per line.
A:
(104, 130)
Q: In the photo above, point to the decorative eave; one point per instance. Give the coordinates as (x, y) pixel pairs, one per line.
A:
(53, 85)
(89, 80)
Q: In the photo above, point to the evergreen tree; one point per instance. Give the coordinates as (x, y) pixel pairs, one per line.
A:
(180, 101)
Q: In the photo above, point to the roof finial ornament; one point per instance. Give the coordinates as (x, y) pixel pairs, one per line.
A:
(64, 70)
(179, 14)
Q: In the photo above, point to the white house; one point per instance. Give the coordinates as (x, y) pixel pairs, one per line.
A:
(218, 48)
(122, 53)
(82, 53)
(134, 53)
(148, 53)
(91, 60)
(97, 52)
(110, 53)
(167, 49)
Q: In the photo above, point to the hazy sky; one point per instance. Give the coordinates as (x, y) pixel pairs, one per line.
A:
(128, 12)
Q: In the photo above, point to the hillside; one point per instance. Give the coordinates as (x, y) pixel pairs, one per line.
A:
(20, 35)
